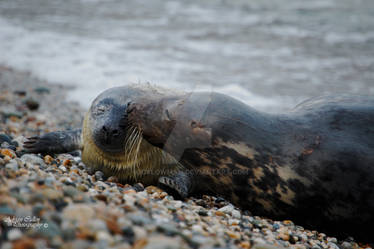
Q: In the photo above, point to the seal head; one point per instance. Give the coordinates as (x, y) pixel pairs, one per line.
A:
(109, 126)
(114, 144)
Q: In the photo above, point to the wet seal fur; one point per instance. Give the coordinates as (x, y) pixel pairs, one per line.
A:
(314, 164)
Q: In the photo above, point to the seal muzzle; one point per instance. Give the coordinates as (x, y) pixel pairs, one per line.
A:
(109, 125)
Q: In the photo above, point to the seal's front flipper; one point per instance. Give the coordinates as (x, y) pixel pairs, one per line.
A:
(55, 142)
(179, 182)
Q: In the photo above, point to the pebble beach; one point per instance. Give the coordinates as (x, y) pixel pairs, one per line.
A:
(55, 201)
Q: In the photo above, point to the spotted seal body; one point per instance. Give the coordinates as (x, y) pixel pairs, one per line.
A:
(314, 164)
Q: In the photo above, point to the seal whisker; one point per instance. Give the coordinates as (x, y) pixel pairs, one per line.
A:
(138, 142)
(132, 149)
(128, 150)
(128, 134)
(130, 153)
(130, 139)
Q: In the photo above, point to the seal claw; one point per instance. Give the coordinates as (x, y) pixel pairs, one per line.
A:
(178, 186)
(54, 142)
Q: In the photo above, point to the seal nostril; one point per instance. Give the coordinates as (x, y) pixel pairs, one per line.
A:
(115, 133)
(104, 128)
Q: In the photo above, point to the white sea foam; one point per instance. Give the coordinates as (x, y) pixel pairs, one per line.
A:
(88, 65)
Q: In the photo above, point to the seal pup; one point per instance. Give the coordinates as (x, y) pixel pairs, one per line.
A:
(314, 164)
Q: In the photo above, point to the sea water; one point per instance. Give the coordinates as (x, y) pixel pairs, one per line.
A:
(270, 54)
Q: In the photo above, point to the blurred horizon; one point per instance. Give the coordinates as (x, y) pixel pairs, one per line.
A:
(270, 54)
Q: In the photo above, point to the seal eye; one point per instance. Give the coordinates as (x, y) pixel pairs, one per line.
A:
(128, 108)
(100, 110)
(168, 114)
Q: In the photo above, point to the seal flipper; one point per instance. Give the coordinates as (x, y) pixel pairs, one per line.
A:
(55, 142)
(179, 182)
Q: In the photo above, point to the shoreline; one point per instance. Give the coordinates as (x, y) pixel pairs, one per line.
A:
(53, 201)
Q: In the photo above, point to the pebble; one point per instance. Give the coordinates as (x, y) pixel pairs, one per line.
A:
(346, 245)
(48, 230)
(21, 93)
(233, 222)
(245, 245)
(6, 245)
(24, 243)
(8, 152)
(140, 232)
(14, 234)
(32, 104)
(236, 214)
(227, 209)
(42, 89)
(66, 163)
(162, 242)
(276, 226)
(63, 168)
(139, 219)
(219, 213)
(99, 176)
(332, 245)
(48, 159)
(203, 212)
(97, 225)
(288, 222)
(67, 181)
(32, 159)
(5, 138)
(112, 179)
(128, 233)
(138, 187)
(70, 191)
(168, 229)
(79, 212)
(333, 240)
(18, 141)
(49, 180)
(178, 204)
(197, 228)
(9, 115)
(12, 165)
(233, 235)
(51, 194)
(6, 145)
(139, 244)
(104, 236)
